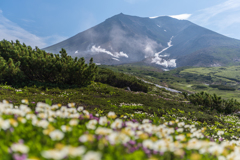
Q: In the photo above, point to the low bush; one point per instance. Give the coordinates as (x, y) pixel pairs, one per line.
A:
(223, 87)
(120, 80)
(20, 66)
(200, 86)
(213, 102)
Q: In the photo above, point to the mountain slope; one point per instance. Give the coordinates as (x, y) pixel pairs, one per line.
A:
(164, 41)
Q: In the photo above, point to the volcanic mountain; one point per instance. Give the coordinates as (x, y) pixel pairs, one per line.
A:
(162, 41)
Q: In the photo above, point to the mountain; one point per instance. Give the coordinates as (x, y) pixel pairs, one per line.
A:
(163, 41)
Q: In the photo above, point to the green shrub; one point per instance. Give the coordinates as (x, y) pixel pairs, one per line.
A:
(223, 87)
(200, 86)
(120, 80)
(20, 65)
(213, 102)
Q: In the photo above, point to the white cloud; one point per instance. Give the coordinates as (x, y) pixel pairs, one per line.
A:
(206, 14)
(27, 20)
(102, 50)
(181, 16)
(11, 31)
(219, 17)
(154, 17)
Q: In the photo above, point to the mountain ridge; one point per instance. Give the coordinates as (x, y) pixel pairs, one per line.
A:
(128, 39)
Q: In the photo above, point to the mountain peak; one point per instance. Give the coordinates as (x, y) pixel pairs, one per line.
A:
(164, 41)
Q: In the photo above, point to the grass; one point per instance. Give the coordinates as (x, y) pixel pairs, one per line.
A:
(103, 127)
(187, 78)
(75, 134)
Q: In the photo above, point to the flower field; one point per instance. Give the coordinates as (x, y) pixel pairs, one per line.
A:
(71, 132)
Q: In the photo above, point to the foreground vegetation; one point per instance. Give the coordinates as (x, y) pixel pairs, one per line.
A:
(20, 65)
(107, 114)
(104, 122)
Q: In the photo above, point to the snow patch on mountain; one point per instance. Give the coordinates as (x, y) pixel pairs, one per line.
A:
(164, 63)
(165, 55)
(102, 50)
(169, 45)
(158, 59)
(116, 59)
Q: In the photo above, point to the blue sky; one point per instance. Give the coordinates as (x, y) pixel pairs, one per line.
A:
(45, 22)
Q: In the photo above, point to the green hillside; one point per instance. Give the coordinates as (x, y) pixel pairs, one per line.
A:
(102, 119)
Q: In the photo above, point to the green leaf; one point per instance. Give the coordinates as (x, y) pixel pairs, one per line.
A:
(48, 101)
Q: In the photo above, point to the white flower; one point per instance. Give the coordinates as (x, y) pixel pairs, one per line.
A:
(160, 146)
(86, 112)
(22, 120)
(80, 108)
(180, 130)
(73, 122)
(42, 115)
(221, 158)
(43, 123)
(55, 154)
(66, 128)
(72, 110)
(147, 127)
(76, 151)
(92, 124)
(91, 155)
(220, 133)
(132, 125)
(31, 116)
(117, 124)
(5, 101)
(181, 124)
(4, 124)
(56, 135)
(53, 107)
(18, 147)
(146, 121)
(25, 101)
(216, 150)
(24, 108)
(112, 115)
(86, 137)
(180, 137)
(103, 131)
(115, 138)
(63, 109)
(103, 120)
(71, 104)
(148, 143)
(193, 130)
